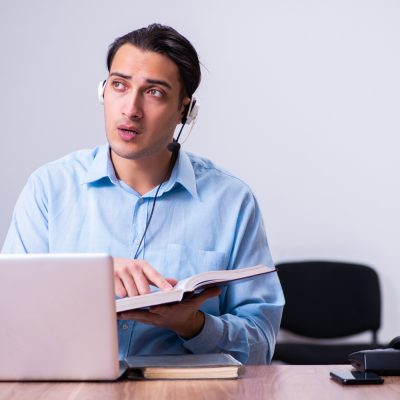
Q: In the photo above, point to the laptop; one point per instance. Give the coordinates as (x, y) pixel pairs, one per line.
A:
(57, 317)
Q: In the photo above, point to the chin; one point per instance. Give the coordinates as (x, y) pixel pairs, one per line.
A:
(135, 150)
(123, 151)
(128, 154)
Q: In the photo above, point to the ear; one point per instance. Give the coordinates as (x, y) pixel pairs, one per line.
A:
(183, 109)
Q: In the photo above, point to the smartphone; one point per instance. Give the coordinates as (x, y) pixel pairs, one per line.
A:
(356, 377)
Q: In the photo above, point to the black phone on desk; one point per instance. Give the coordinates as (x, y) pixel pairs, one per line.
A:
(356, 377)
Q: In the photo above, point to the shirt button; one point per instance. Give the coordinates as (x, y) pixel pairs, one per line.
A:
(125, 327)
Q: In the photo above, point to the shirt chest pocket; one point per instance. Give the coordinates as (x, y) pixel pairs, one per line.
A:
(184, 261)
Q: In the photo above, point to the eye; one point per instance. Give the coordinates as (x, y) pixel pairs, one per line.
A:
(156, 93)
(118, 85)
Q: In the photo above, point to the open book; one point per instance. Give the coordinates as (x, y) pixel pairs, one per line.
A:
(189, 286)
(186, 366)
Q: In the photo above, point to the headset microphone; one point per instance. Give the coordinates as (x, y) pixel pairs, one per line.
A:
(174, 146)
(189, 118)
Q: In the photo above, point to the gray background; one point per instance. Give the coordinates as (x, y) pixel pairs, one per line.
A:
(299, 98)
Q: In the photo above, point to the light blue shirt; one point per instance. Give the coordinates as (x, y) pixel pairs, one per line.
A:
(204, 219)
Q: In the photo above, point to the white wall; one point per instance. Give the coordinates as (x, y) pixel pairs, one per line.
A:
(299, 98)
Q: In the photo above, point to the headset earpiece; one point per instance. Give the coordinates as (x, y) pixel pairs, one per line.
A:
(191, 113)
(100, 91)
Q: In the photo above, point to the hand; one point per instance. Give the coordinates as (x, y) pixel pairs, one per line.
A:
(183, 318)
(133, 277)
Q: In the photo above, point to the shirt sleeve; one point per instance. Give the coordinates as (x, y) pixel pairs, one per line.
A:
(250, 311)
(28, 231)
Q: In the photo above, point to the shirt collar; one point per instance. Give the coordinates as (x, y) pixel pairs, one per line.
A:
(182, 173)
(101, 167)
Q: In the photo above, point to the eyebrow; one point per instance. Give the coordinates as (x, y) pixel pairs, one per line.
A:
(151, 81)
(159, 82)
(120, 75)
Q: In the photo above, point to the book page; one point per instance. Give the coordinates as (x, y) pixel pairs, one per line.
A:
(211, 278)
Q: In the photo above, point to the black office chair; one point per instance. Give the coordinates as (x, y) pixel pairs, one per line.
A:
(327, 300)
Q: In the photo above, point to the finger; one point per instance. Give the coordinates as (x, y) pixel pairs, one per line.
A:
(143, 316)
(133, 314)
(119, 287)
(141, 281)
(129, 283)
(160, 310)
(205, 295)
(155, 277)
(193, 303)
(172, 281)
(123, 315)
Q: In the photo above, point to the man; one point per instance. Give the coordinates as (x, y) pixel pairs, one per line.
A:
(159, 214)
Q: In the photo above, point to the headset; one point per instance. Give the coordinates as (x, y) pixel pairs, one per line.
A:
(189, 118)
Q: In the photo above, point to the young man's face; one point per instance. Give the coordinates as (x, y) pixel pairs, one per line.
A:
(142, 103)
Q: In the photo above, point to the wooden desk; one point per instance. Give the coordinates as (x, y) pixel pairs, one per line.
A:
(277, 382)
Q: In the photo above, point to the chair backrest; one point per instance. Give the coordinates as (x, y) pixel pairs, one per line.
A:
(330, 299)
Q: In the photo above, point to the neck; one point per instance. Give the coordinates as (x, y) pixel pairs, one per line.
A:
(144, 174)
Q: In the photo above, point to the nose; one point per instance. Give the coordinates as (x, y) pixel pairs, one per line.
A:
(133, 106)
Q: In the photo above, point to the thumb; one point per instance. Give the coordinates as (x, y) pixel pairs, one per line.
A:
(207, 294)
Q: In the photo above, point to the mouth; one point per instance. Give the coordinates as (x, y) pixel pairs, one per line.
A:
(127, 133)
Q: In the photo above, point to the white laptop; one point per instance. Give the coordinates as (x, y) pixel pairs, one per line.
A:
(57, 317)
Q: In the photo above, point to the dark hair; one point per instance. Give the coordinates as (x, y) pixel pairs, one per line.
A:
(167, 41)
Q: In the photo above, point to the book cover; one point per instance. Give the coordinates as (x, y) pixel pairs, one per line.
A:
(186, 366)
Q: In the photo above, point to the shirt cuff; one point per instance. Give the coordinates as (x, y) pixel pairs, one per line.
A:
(208, 339)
